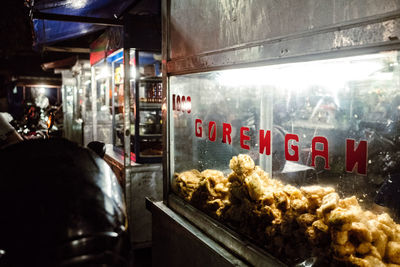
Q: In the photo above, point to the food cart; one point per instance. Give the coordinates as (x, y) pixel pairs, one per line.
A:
(281, 134)
(101, 90)
(129, 118)
(145, 105)
(75, 87)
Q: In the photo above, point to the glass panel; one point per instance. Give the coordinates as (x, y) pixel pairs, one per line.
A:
(87, 96)
(118, 96)
(149, 85)
(104, 92)
(325, 135)
(103, 74)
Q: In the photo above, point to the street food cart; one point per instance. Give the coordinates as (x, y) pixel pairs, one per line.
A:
(75, 88)
(145, 106)
(130, 120)
(281, 134)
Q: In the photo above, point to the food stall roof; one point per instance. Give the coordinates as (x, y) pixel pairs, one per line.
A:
(53, 20)
(144, 57)
(116, 56)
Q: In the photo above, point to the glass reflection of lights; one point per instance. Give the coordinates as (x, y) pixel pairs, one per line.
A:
(103, 72)
(77, 4)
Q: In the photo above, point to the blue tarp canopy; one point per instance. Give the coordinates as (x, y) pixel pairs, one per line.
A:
(52, 31)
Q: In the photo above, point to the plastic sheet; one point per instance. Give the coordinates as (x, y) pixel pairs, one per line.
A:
(47, 31)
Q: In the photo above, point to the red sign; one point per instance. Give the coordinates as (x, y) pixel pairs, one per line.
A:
(356, 155)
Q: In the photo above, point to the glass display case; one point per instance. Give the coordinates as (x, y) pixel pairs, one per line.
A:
(147, 87)
(301, 158)
(281, 134)
(76, 101)
(135, 151)
(117, 98)
(145, 110)
(101, 94)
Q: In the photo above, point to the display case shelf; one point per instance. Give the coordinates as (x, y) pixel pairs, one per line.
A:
(145, 106)
(150, 79)
(149, 105)
(143, 136)
(148, 91)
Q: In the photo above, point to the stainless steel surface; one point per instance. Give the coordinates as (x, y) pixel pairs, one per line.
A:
(84, 74)
(87, 133)
(144, 181)
(262, 31)
(221, 234)
(209, 35)
(117, 156)
(76, 97)
(127, 117)
(176, 242)
(94, 105)
(165, 95)
(69, 84)
(104, 132)
(113, 101)
(323, 43)
(76, 133)
(74, 79)
(235, 23)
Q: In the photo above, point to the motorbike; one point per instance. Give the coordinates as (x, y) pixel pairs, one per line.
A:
(39, 123)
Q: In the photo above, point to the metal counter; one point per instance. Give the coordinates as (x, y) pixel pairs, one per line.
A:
(236, 34)
(180, 239)
(145, 180)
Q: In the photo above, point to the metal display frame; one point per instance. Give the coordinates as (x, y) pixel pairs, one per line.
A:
(113, 62)
(138, 105)
(76, 77)
(138, 178)
(364, 29)
(96, 125)
(135, 81)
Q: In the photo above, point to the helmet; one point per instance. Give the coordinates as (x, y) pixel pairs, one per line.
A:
(60, 205)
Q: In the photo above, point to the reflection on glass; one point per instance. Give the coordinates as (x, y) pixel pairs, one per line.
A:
(145, 109)
(334, 123)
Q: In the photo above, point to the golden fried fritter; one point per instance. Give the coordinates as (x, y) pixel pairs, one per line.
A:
(242, 165)
(283, 216)
(393, 252)
(186, 183)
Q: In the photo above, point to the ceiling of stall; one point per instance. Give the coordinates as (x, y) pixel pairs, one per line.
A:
(55, 40)
(67, 15)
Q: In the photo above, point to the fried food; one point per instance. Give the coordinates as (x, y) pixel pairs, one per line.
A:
(185, 183)
(280, 216)
(393, 252)
(242, 165)
(212, 194)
